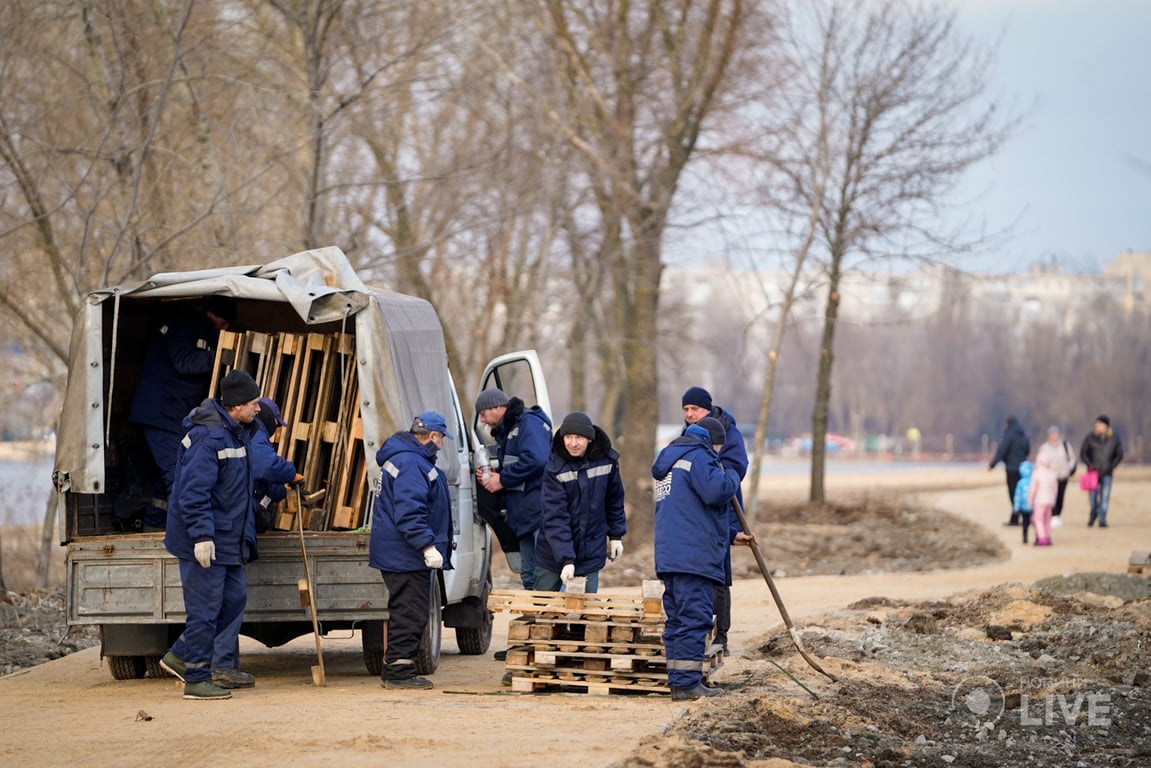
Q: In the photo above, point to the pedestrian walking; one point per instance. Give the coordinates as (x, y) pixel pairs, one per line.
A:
(1022, 504)
(1102, 451)
(1062, 457)
(1014, 448)
(1042, 491)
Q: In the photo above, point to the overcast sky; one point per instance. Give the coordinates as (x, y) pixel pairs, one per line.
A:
(1074, 184)
(1077, 179)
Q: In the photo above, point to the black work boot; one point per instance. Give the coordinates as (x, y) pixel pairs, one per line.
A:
(691, 694)
(401, 673)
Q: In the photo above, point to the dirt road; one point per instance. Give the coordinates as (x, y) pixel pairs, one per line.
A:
(71, 711)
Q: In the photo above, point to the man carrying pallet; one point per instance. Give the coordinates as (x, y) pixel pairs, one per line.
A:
(693, 494)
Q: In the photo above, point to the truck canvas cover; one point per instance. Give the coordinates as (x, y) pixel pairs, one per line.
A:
(400, 356)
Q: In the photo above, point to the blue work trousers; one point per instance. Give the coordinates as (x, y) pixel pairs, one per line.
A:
(528, 559)
(213, 599)
(687, 601)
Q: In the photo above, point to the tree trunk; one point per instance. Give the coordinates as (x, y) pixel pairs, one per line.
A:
(641, 405)
(823, 391)
(45, 565)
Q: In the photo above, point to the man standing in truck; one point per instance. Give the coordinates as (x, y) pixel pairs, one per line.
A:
(411, 538)
(174, 379)
(211, 504)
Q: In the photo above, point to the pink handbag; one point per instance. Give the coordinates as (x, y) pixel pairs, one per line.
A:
(1089, 481)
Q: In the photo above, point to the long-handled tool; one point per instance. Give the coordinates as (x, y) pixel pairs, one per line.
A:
(791, 630)
(308, 596)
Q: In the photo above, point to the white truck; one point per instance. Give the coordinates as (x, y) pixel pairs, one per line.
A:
(127, 583)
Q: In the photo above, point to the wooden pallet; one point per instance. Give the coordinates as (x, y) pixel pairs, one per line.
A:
(310, 378)
(595, 643)
(587, 607)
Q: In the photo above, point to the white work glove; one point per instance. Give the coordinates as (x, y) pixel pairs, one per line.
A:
(567, 573)
(205, 553)
(614, 549)
(433, 558)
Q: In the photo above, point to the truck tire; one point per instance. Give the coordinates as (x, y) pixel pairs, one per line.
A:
(153, 665)
(475, 641)
(372, 639)
(127, 667)
(428, 659)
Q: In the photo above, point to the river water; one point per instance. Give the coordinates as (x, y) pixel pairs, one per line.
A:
(25, 485)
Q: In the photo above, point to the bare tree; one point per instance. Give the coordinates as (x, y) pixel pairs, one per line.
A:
(906, 114)
(638, 83)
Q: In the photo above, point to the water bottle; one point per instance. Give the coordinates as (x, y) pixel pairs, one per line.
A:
(483, 462)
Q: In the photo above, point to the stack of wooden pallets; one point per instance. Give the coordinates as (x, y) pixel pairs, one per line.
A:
(312, 378)
(594, 643)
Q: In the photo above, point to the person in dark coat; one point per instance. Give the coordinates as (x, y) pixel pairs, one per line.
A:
(410, 539)
(1102, 451)
(523, 443)
(174, 378)
(1014, 448)
(273, 474)
(697, 404)
(208, 520)
(693, 493)
(583, 521)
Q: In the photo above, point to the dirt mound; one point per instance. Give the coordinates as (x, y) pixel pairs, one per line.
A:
(1054, 675)
(33, 629)
(870, 535)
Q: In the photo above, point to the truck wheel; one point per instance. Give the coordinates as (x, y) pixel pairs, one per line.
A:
(127, 667)
(372, 640)
(474, 641)
(429, 656)
(153, 665)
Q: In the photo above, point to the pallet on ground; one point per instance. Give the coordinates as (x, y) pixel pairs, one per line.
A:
(596, 643)
(1139, 562)
(590, 607)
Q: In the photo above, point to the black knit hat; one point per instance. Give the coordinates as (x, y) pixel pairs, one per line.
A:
(577, 423)
(697, 396)
(237, 388)
(714, 429)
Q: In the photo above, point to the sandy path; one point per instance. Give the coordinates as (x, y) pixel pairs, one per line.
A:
(71, 711)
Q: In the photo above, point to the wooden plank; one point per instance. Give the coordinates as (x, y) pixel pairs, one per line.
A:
(520, 628)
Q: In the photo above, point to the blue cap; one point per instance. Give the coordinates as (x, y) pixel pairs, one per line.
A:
(269, 405)
(433, 422)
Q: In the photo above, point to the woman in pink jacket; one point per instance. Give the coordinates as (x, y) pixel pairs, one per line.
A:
(1041, 496)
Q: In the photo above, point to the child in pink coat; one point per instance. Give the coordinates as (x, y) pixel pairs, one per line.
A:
(1041, 497)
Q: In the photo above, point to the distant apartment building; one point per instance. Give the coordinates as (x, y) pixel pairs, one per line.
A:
(1044, 293)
